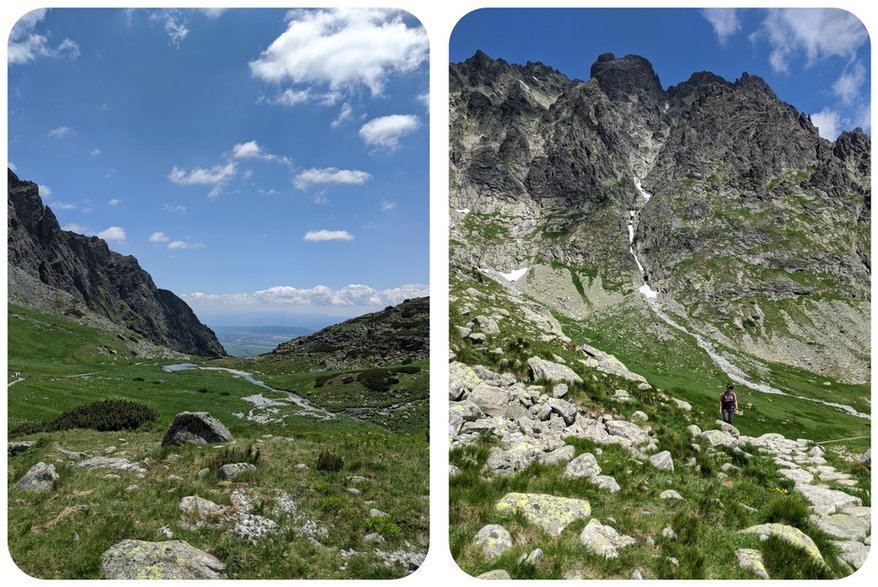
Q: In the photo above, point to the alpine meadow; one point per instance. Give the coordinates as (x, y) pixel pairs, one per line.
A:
(693, 217)
(175, 174)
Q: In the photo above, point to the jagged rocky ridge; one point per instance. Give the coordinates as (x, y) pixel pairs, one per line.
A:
(395, 335)
(757, 234)
(43, 259)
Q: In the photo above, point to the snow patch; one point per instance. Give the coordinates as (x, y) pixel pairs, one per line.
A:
(646, 195)
(524, 84)
(647, 291)
(462, 210)
(514, 275)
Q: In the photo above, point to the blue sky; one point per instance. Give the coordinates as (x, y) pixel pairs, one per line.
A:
(818, 60)
(259, 163)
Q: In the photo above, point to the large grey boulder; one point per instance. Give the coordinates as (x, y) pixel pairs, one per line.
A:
(549, 512)
(41, 477)
(632, 432)
(564, 409)
(554, 372)
(196, 428)
(170, 559)
(662, 461)
(493, 401)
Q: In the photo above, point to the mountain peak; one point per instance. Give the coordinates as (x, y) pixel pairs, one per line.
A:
(622, 77)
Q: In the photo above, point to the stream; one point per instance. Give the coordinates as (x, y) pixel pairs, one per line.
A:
(734, 372)
(259, 401)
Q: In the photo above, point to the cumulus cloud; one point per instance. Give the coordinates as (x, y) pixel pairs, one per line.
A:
(26, 45)
(211, 12)
(217, 176)
(847, 86)
(725, 22)
(114, 202)
(178, 209)
(343, 49)
(60, 132)
(73, 227)
(828, 123)
(385, 205)
(185, 245)
(45, 191)
(12, 166)
(252, 150)
(64, 206)
(328, 235)
(113, 233)
(330, 175)
(387, 130)
(819, 33)
(354, 295)
(159, 237)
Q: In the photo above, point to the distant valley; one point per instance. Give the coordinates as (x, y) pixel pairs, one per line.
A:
(245, 341)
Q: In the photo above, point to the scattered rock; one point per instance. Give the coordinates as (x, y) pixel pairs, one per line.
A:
(750, 559)
(16, 448)
(493, 540)
(603, 540)
(555, 372)
(549, 512)
(639, 416)
(230, 470)
(583, 466)
(496, 574)
(196, 428)
(788, 534)
(41, 477)
(171, 559)
(662, 461)
(559, 391)
(670, 494)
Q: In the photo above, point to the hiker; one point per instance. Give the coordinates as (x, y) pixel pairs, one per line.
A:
(728, 404)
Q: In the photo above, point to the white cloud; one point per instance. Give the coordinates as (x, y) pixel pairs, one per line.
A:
(725, 22)
(343, 48)
(113, 233)
(95, 152)
(64, 206)
(328, 235)
(60, 132)
(173, 23)
(178, 209)
(385, 205)
(185, 245)
(343, 114)
(817, 32)
(847, 86)
(26, 45)
(159, 237)
(114, 202)
(211, 12)
(252, 150)
(354, 295)
(387, 130)
(11, 166)
(330, 175)
(45, 191)
(200, 176)
(73, 227)
(424, 99)
(828, 123)
(292, 97)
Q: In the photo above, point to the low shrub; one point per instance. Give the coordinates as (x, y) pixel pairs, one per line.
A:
(329, 462)
(224, 393)
(410, 370)
(203, 390)
(104, 415)
(791, 510)
(382, 526)
(785, 561)
(375, 379)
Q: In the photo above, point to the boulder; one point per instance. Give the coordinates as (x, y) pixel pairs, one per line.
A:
(750, 559)
(852, 552)
(461, 380)
(559, 455)
(555, 372)
(19, 447)
(117, 463)
(719, 438)
(670, 494)
(825, 501)
(559, 391)
(605, 482)
(496, 575)
(564, 409)
(170, 559)
(685, 406)
(639, 416)
(196, 428)
(493, 540)
(844, 526)
(491, 400)
(603, 540)
(549, 512)
(788, 534)
(230, 470)
(41, 477)
(631, 432)
(662, 461)
(583, 466)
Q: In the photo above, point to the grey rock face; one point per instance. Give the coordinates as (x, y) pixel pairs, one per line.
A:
(196, 428)
(41, 477)
(170, 559)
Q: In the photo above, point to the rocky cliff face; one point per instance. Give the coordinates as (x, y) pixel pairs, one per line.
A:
(107, 283)
(752, 228)
(393, 336)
